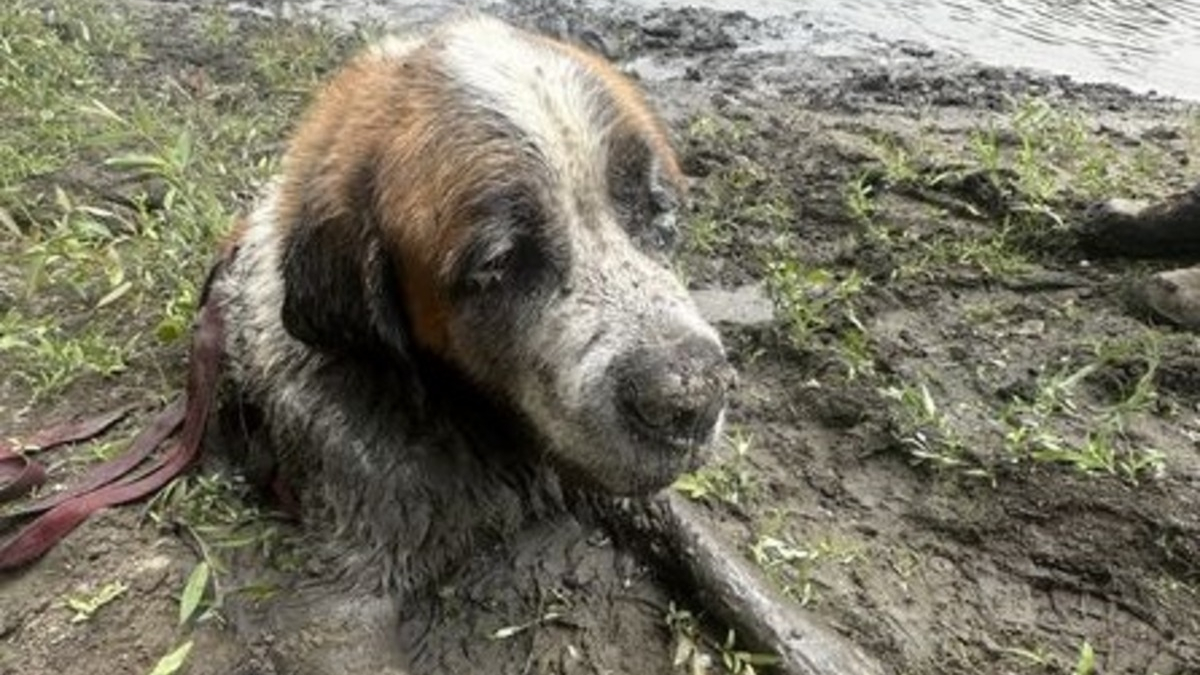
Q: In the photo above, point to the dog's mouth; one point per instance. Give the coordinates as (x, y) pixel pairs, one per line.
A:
(673, 437)
(632, 456)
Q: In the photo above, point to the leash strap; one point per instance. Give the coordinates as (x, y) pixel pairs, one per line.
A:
(19, 473)
(129, 477)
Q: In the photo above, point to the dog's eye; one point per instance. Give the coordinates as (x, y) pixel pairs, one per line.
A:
(663, 228)
(509, 247)
(524, 265)
(490, 269)
(650, 217)
(645, 205)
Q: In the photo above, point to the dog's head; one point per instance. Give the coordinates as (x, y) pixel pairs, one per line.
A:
(505, 203)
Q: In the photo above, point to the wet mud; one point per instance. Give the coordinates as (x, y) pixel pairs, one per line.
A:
(926, 533)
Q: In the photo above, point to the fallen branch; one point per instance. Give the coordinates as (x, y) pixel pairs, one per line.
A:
(679, 540)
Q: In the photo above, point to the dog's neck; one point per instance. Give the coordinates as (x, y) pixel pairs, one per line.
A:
(494, 430)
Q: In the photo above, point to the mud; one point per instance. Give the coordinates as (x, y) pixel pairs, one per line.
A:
(986, 563)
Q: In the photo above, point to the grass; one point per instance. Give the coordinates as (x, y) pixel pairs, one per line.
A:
(791, 563)
(997, 202)
(59, 359)
(1054, 426)
(122, 165)
(994, 254)
(1058, 422)
(740, 193)
(811, 299)
(694, 650)
(729, 480)
(997, 205)
(818, 312)
(928, 434)
(120, 169)
(1011, 184)
(860, 200)
(983, 375)
(217, 514)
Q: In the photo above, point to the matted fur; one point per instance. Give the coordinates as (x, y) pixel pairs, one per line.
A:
(453, 301)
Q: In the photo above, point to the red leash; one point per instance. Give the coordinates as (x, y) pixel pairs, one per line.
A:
(19, 473)
(127, 478)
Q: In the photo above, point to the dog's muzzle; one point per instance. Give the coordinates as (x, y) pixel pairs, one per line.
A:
(674, 394)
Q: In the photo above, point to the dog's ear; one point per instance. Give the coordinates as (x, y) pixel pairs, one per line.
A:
(340, 284)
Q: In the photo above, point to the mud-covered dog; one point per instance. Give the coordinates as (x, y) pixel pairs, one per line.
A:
(453, 304)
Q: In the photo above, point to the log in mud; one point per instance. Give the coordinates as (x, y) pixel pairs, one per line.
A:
(672, 531)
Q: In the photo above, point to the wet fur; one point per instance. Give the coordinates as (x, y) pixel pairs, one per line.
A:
(436, 308)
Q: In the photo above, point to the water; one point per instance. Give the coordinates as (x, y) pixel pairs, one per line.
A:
(1146, 45)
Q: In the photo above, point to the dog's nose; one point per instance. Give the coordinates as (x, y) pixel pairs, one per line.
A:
(675, 393)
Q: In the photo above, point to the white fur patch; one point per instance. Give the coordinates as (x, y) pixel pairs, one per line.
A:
(550, 97)
(396, 46)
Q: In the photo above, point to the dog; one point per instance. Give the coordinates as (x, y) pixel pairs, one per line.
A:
(454, 305)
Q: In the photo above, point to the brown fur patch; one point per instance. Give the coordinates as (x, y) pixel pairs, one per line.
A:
(386, 146)
(378, 123)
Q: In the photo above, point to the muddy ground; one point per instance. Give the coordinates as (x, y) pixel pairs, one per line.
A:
(955, 439)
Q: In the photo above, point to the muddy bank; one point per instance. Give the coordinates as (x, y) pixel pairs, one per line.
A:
(952, 442)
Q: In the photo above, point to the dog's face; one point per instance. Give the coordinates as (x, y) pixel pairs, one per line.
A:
(506, 203)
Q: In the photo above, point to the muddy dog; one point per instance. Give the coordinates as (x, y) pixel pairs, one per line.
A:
(453, 306)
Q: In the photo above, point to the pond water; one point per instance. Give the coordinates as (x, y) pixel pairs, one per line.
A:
(1146, 45)
(1142, 44)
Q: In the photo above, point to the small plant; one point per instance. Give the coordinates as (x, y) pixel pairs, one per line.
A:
(170, 663)
(1085, 664)
(807, 298)
(705, 233)
(292, 62)
(860, 199)
(704, 127)
(788, 564)
(739, 193)
(991, 254)
(899, 166)
(730, 480)
(554, 606)
(215, 512)
(1046, 427)
(1038, 656)
(692, 648)
(85, 606)
(857, 351)
(217, 27)
(926, 432)
(985, 147)
(791, 565)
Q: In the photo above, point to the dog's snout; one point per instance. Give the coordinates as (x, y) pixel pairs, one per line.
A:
(675, 393)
